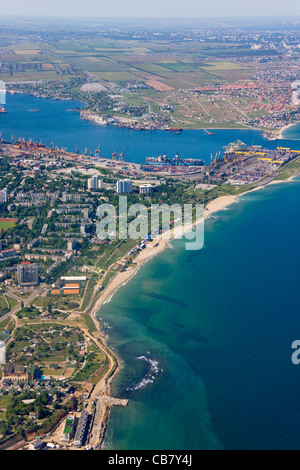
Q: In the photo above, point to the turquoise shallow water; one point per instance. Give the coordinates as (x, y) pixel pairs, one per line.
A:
(292, 132)
(218, 325)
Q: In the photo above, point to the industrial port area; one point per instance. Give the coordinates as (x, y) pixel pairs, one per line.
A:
(234, 164)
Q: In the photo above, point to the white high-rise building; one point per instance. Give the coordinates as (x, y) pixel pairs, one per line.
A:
(95, 182)
(124, 186)
(2, 353)
(3, 196)
(28, 274)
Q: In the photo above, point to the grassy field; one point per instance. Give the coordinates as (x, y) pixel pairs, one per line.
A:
(89, 290)
(6, 224)
(3, 306)
(4, 401)
(12, 302)
(290, 170)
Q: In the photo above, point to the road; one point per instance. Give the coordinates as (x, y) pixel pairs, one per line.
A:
(26, 300)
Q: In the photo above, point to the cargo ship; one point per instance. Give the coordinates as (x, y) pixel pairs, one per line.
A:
(175, 161)
(173, 129)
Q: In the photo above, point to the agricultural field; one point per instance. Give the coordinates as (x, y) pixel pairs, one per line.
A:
(151, 81)
(27, 61)
(113, 60)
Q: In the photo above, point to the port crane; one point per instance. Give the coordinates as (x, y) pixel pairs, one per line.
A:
(288, 150)
(97, 151)
(234, 146)
(121, 156)
(116, 156)
(216, 159)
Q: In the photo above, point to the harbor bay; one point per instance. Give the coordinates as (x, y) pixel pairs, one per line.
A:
(58, 123)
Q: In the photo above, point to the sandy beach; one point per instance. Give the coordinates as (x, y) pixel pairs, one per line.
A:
(157, 246)
(283, 129)
(162, 242)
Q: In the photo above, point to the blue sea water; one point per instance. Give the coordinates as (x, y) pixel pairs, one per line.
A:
(292, 132)
(204, 338)
(56, 121)
(217, 326)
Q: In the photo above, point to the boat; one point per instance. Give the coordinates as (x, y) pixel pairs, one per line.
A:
(173, 129)
(176, 161)
(2, 110)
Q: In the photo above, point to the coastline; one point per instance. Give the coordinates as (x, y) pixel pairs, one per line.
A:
(148, 253)
(276, 134)
(88, 115)
(160, 244)
(283, 129)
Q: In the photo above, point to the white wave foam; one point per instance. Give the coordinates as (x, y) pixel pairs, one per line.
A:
(151, 375)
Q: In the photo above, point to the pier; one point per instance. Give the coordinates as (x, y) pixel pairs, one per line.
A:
(208, 132)
(103, 404)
